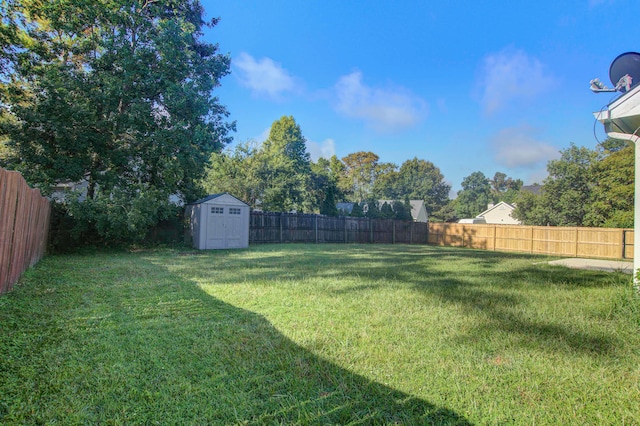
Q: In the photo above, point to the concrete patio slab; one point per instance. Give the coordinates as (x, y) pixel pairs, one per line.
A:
(595, 264)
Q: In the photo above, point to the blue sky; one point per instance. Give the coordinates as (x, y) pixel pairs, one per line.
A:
(468, 85)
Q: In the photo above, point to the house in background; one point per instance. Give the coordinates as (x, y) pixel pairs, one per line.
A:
(344, 208)
(418, 209)
(499, 214)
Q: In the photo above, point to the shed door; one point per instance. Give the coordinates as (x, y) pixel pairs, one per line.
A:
(233, 227)
(216, 227)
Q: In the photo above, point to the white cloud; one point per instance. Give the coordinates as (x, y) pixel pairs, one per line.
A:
(324, 149)
(518, 147)
(511, 76)
(263, 76)
(263, 136)
(384, 109)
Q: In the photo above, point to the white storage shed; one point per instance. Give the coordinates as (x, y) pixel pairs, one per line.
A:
(219, 221)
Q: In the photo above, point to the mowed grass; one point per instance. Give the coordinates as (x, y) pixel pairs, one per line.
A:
(318, 334)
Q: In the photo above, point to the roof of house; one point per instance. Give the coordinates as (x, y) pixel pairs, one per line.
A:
(347, 207)
(416, 206)
(496, 207)
(535, 189)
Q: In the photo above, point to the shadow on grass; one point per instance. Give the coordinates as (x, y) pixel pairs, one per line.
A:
(491, 287)
(124, 341)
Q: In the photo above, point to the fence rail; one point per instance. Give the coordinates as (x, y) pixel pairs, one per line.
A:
(312, 228)
(608, 243)
(24, 226)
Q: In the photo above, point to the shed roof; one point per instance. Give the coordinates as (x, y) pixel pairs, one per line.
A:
(214, 196)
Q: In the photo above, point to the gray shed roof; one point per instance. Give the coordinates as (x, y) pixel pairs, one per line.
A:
(214, 196)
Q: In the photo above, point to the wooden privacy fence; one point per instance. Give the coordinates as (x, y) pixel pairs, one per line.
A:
(24, 225)
(608, 243)
(312, 228)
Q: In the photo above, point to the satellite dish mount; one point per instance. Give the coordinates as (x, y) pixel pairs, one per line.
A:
(624, 74)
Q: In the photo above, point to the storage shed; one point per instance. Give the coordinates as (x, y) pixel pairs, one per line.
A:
(219, 221)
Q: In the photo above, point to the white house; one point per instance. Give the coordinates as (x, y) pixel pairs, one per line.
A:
(219, 221)
(499, 214)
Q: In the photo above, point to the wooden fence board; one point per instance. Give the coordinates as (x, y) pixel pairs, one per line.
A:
(557, 241)
(265, 227)
(24, 224)
(605, 243)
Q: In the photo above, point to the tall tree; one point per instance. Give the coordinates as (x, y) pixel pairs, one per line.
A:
(474, 196)
(567, 190)
(359, 175)
(613, 186)
(235, 172)
(566, 194)
(118, 94)
(324, 187)
(285, 168)
(422, 180)
(505, 188)
(531, 209)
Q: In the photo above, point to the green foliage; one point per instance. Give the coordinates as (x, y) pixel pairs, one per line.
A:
(373, 210)
(324, 186)
(421, 180)
(117, 94)
(612, 192)
(234, 172)
(402, 210)
(278, 175)
(386, 211)
(530, 209)
(474, 196)
(283, 168)
(567, 190)
(359, 175)
(416, 180)
(357, 210)
(445, 214)
(566, 195)
(119, 216)
(505, 188)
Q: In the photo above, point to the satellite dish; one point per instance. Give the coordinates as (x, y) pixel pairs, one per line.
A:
(627, 64)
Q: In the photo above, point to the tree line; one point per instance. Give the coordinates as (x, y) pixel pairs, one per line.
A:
(584, 187)
(278, 175)
(120, 95)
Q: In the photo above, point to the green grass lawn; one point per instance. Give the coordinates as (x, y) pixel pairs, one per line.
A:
(318, 334)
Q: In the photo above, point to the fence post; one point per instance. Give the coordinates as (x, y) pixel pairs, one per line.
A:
(280, 216)
(531, 245)
(393, 232)
(370, 231)
(344, 218)
(316, 223)
(577, 231)
(494, 236)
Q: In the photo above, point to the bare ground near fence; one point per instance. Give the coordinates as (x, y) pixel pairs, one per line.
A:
(24, 226)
